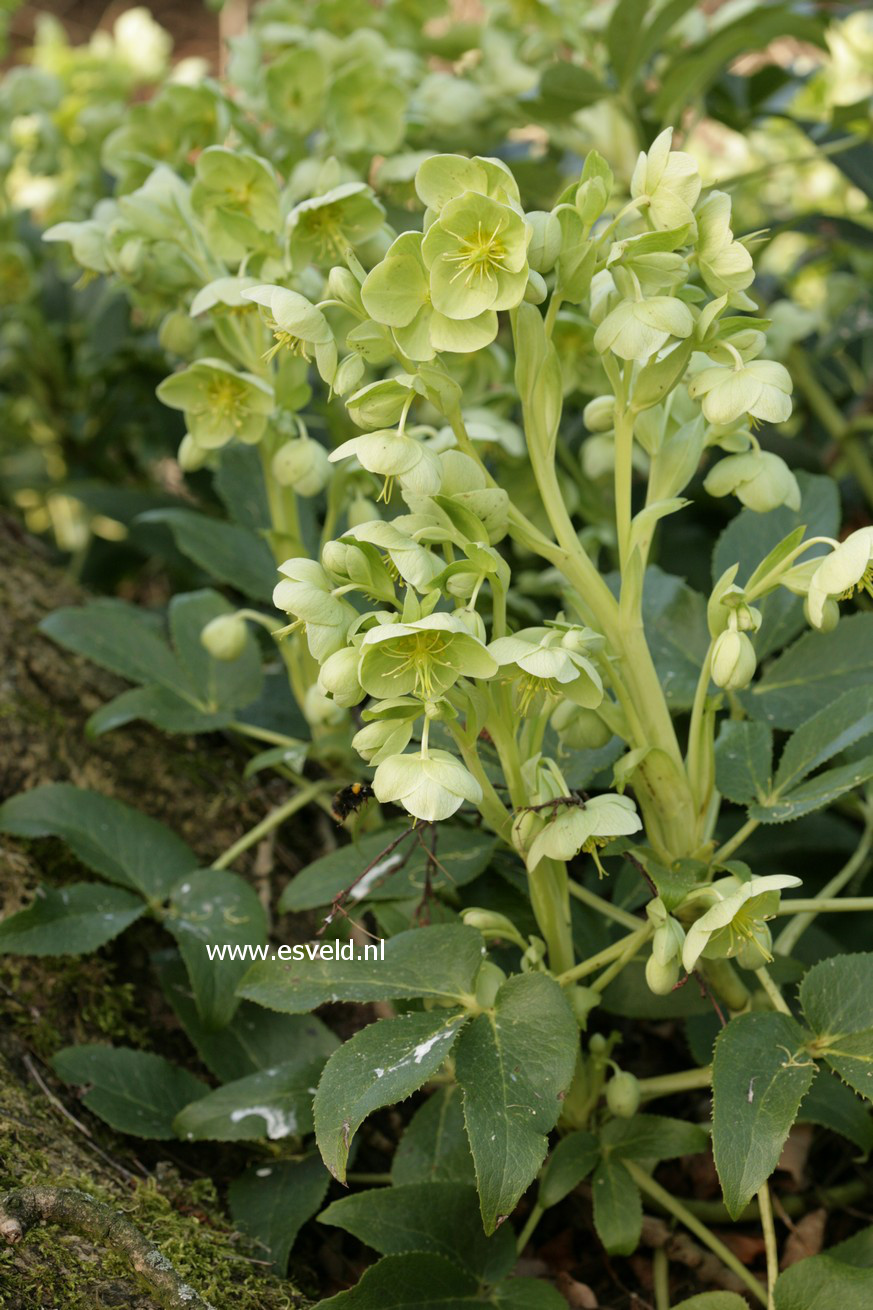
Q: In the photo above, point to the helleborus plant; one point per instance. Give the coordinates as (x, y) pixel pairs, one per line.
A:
(397, 385)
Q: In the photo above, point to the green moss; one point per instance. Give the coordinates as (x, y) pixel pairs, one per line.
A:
(51, 1269)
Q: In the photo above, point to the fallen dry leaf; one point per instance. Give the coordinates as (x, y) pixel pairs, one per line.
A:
(806, 1238)
(579, 1296)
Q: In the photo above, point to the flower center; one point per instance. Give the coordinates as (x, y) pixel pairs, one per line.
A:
(224, 399)
(296, 345)
(422, 653)
(478, 256)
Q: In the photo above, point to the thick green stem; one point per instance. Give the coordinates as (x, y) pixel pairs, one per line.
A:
(649, 1187)
(668, 1084)
(550, 900)
(624, 451)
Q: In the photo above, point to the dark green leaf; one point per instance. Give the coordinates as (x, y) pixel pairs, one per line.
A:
(463, 853)
(382, 1064)
(113, 839)
(439, 1217)
(831, 1104)
(743, 755)
(434, 1146)
(761, 1073)
(813, 673)
(254, 1039)
(675, 621)
(439, 962)
(133, 1091)
(273, 1103)
(119, 637)
(69, 920)
(572, 1160)
(823, 1283)
(653, 1137)
(158, 706)
(271, 1202)
(834, 729)
(230, 553)
(837, 1000)
(618, 1207)
(417, 1281)
(815, 793)
(515, 1064)
(211, 907)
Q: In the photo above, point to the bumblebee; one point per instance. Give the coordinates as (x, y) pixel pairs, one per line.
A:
(350, 800)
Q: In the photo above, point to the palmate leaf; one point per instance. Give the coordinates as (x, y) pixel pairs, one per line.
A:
(812, 673)
(618, 1207)
(434, 1146)
(515, 1064)
(423, 1281)
(228, 552)
(743, 755)
(273, 1103)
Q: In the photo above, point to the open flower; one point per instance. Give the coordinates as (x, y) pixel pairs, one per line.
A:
(396, 293)
(393, 454)
(735, 926)
(306, 591)
(297, 326)
(237, 196)
(414, 563)
(758, 478)
(761, 389)
(443, 178)
(430, 787)
(637, 329)
(219, 403)
(322, 228)
(425, 657)
(839, 575)
(584, 825)
(551, 661)
(476, 255)
(725, 265)
(669, 183)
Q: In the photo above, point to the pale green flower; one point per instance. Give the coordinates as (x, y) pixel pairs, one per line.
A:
(225, 637)
(725, 265)
(237, 196)
(662, 966)
(219, 402)
(476, 255)
(759, 479)
(430, 787)
(415, 564)
(761, 389)
(365, 109)
(303, 464)
(733, 660)
(295, 85)
(306, 591)
(668, 181)
(735, 926)
(637, 329)
(338, 677)
(584, 825)
(358, 565)
(443, 178)
(297, 326)
(848, 568)
(324, 227)
(388, 728)
(425, 657)
(397, 294)
(393, 454)
(550, 661)
(226, 292)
